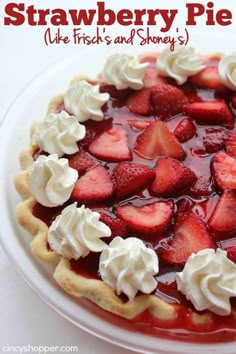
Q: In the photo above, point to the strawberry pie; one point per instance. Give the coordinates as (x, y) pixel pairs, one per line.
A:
(129, 190)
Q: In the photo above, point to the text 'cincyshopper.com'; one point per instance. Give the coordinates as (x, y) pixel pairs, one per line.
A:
(38, 349)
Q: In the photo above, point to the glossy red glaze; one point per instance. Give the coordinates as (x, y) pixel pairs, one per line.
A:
(200, 199)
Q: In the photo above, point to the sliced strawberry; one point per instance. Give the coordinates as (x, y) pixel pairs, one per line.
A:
(148, 218)
(157, 140)
(167, 101)
(81, 161)
(223, 217)
(202, 188)
(138, 102)
(190, 236)
(214, 139)
(113, 91)
(209, 78)
(138, 124)
(94, 185)
(185, 130)
(131, 178)
(118, 227)
(233, 101)
(211, 112)
(94, 128)
(172, 177)
(231, 145)
(112, 145)
(151, 77)
(224, 170)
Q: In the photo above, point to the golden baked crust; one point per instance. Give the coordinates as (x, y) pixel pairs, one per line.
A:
(76, 285)
(98, 292)
(95, 290)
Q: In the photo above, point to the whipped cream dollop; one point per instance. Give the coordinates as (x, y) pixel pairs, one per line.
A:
(51, 180)
(227, 71)
(59, 134)
(180, 63)
(77, 231)
(128, 266)
(124, 71)
(208, 280)
(85, 101)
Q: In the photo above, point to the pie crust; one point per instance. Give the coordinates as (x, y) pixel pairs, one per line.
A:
(77, 285)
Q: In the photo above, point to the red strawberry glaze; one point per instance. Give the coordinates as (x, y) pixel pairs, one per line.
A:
(88, 266)
(47, 215)
(201, 199)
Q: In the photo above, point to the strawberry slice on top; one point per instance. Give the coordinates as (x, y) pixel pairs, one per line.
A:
(118, 227)
(172, 177)
(215, 112)
(81, 161)
(190, 236)
(112, 145)
(231, 145)
(151, 77)
(224, 170)
(223, 218)
(214, 139)
(95, 185)
(148, 218)
(157, 140)
(185, 130)
(138, 102)
(131, 178)
(167, 101)
(209, 79)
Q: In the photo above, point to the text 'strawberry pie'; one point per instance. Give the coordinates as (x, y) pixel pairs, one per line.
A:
(129, 190)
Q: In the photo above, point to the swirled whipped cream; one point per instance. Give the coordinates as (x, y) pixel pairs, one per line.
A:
(124, 71)
(227, 71)
(85, 101)
(51, 180)
(180, 63)
(76, 232)
(128, 266)
(208, 280)
(59, 133)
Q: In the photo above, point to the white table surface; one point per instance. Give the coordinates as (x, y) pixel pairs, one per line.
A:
(24, 317)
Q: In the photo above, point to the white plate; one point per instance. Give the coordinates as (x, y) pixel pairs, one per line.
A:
(30, 106)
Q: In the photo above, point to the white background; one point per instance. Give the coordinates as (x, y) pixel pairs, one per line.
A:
(24, 318)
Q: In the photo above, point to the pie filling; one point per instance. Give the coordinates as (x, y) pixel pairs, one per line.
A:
(201, 140)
